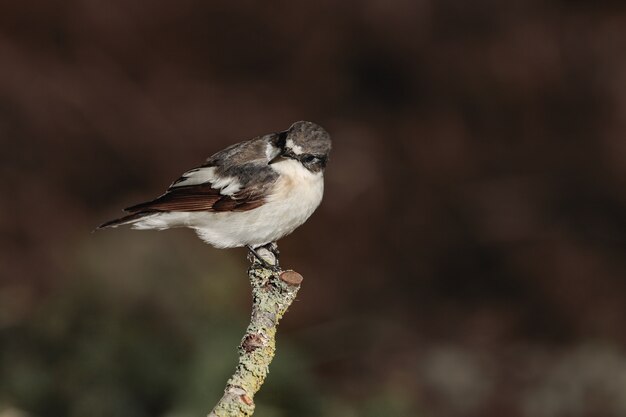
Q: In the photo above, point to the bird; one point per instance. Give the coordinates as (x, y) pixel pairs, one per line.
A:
(250, 194)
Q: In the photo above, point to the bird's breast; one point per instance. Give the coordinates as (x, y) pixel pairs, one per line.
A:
(296, 186)
(296, 194)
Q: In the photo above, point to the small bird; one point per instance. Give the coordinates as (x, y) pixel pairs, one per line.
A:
(249, 194)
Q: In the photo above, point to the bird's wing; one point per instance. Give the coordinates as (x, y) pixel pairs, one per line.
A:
(235, 179)
(214, 193)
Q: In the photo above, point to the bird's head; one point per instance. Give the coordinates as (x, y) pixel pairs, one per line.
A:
(307, 143)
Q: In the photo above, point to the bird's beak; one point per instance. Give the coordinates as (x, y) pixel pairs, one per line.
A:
(277, 158)
(286, 154)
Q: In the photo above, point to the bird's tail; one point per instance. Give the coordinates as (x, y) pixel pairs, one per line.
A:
(128, 219)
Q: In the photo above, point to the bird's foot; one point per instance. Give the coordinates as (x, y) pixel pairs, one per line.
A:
(273, 247)
(267, 256)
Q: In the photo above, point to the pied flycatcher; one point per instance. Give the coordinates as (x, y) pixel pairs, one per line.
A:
(249, 194)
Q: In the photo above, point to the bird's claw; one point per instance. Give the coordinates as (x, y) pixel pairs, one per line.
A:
(272, 248)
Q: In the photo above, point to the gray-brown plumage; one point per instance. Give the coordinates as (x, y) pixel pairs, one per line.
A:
(243, 178)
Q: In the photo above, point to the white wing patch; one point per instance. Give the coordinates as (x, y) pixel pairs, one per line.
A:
(196, 176)
(226, 185)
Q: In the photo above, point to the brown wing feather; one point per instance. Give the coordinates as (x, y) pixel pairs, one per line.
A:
(199, 198)
(232, 204)
(124, 220)
(191, 198)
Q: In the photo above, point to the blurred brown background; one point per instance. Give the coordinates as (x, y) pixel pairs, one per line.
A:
(468, 258)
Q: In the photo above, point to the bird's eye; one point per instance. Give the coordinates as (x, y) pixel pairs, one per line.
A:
(308, 159)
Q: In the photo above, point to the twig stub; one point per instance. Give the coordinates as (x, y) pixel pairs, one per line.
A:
(291, 277)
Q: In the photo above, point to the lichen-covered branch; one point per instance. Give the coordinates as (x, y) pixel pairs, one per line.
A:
(272, 294)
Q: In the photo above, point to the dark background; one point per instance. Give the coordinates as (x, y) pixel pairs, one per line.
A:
(468, 258)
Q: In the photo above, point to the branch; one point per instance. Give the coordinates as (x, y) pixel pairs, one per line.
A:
(272, 294)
